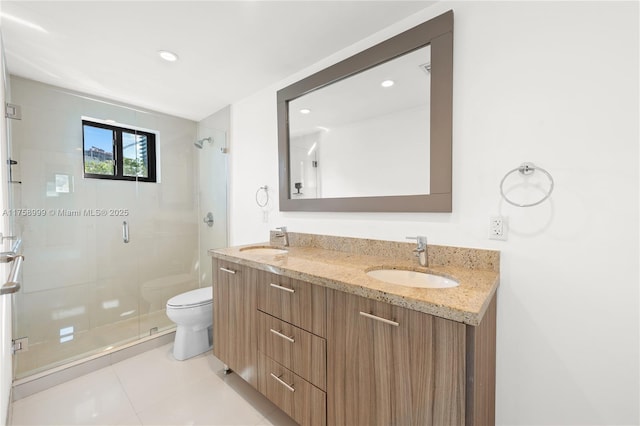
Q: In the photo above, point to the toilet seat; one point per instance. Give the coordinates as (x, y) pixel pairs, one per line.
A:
(190, 299)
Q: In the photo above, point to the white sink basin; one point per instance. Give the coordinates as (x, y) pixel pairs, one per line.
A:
(412, 278)
(265, 250)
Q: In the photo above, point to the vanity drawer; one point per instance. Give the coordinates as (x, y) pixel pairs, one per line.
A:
(300, 351)
(294, 301)
(303, 402)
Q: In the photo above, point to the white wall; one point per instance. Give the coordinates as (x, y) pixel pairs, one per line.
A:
(554, 83)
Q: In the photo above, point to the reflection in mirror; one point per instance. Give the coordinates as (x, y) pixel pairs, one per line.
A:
(347, 139)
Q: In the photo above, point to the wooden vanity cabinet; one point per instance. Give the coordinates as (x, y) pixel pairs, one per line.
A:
(234, 318)
(326, 357)
(389, 365)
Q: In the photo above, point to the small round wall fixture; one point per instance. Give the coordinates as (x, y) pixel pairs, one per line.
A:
(305, 111)
(527, 169)
(387, 83)
(168, 56)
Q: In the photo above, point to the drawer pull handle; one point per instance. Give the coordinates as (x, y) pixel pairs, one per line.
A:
(282, 382)
(285, 337)
(384, 320)
(279, 287)
(228, 270)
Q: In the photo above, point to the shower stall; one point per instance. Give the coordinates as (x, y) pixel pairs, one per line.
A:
(103, 256)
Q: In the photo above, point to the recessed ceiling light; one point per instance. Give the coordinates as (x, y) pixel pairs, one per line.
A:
(305, 111)
(168, 56)
(387, 83)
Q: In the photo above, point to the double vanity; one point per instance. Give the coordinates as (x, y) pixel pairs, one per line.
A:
(325, 329)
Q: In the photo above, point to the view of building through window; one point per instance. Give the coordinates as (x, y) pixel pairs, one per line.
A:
(113, 152)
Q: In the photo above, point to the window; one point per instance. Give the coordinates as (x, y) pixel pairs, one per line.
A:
(112, 152)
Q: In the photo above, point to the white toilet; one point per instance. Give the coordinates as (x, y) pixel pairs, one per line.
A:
(193, 314)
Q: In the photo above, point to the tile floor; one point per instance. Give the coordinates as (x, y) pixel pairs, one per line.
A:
(151, 389)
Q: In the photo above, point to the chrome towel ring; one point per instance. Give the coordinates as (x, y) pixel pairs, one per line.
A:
(527, 169)
(265, 200)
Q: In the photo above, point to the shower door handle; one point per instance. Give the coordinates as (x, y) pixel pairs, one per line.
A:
(13, 284)
(208, 219)
(125, 232)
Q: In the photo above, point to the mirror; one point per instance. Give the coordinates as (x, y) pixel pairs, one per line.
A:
(336, 147)
(349, 142)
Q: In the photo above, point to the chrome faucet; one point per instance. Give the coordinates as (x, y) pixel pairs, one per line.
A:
(421, 250)
(283, 234)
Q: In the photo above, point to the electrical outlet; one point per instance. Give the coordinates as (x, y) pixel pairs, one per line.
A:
(498, 228)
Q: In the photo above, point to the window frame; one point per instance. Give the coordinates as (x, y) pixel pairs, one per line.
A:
(118, 130)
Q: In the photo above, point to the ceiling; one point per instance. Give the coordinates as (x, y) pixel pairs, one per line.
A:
(227, 49)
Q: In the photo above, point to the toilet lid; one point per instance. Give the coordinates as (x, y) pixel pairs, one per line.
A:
(197, 297)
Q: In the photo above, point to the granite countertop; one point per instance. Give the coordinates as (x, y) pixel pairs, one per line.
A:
(343, 266)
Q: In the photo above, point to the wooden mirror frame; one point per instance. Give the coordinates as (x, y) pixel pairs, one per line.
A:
(437, 32)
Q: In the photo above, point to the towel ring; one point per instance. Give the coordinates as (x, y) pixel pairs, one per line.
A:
(266, 193)
(527, 169)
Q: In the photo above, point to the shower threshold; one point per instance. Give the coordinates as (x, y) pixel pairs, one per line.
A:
(53, 351)
(39, 381)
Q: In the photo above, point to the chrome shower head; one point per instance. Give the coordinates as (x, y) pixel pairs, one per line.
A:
(200, 143)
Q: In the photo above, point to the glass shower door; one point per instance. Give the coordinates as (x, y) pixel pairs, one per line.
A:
(85, 289)
(6, 301)
(80, 281)
(212, 196)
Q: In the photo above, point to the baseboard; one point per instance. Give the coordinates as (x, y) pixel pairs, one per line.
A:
(47, 379)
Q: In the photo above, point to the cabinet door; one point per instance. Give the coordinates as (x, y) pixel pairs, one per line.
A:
(389, 365)
(234, 318)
